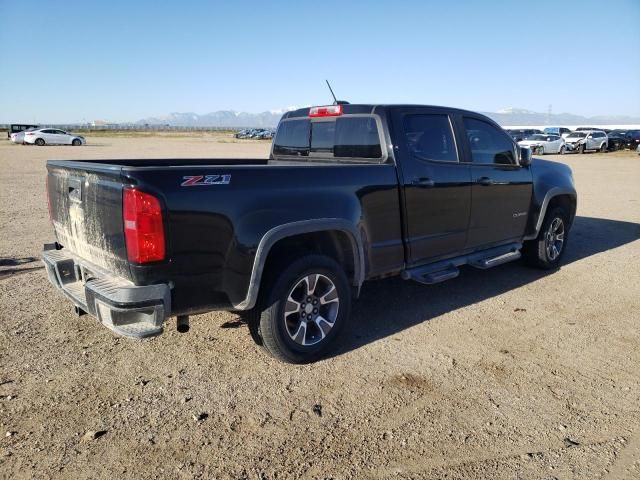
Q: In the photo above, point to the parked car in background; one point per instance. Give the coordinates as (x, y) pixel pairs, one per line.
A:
(585, 129)
(520, 134)
(560, 131)
(256, 133)
(18, 137)
(633, 139)
(19, 127)
(617, 140)
(638, 150)
(589, 140)
(52, 136)
(541, 144)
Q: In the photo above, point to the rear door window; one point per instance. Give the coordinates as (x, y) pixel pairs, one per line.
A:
(429, 137)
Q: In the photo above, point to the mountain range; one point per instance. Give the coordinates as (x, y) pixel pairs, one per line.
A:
(508, 116)
(221, 118)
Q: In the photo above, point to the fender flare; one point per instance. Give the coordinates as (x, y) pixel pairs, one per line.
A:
(280, 232)
(553, 192)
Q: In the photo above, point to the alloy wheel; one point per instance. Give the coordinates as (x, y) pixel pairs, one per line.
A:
(311, 309)
(554, 239)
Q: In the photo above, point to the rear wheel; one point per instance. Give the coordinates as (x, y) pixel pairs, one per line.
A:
(547, 250)
(305, 310)
(76, 142)
(603, 148)
(562, 150)
(39, 142)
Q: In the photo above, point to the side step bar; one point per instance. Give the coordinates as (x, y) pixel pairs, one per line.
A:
(489, 262)
(437, 277)
(447, 269)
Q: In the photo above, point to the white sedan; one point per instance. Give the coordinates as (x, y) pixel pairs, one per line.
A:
(541, 144)
(52, 136)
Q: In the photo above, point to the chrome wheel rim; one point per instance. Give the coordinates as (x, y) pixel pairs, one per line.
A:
(554, 239)
(311, 309)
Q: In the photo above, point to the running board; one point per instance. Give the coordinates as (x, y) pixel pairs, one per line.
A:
(447, 269)
(489, 262)
(431, 278)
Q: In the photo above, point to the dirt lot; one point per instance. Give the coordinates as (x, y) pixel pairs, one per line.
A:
(499, 374)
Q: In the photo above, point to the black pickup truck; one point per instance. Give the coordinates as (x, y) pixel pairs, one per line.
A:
(349, 193)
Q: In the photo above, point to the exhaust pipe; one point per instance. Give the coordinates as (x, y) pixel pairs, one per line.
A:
(183, 323)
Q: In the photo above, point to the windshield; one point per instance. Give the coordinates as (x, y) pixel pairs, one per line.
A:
(577, 135)
(536, 137)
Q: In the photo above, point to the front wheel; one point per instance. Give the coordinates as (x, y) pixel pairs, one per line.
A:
(309, 304)
(581, 148)
(547, 250)
(76, 142)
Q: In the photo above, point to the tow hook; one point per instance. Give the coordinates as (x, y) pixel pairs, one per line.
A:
(183, 323)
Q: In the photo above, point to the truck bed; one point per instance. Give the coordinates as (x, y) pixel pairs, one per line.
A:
(212, 231)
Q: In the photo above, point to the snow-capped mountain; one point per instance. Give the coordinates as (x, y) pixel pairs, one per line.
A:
(221, 118)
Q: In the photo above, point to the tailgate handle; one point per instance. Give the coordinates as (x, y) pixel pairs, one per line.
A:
(75, 189)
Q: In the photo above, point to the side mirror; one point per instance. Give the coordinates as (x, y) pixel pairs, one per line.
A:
(524, 156)
(590, 136)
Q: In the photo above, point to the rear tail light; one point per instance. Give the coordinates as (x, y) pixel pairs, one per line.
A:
(29, 133)
(327, 111)
(143, 226)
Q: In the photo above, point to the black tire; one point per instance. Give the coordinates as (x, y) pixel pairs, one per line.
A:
(39, 142)
(540, 150)
(76, 142)
(562, 150)
(603, 148)
(278, 326)
(536, 252)
(581, 148)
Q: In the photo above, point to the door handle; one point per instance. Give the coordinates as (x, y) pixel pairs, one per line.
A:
(485, 181)
(423, 182)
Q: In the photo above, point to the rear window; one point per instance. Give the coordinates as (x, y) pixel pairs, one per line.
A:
(342, 137)
(292, 138)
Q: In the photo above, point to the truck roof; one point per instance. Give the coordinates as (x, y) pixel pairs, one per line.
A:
(369, 108)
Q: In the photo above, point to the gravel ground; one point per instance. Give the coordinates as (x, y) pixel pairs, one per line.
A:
(500, 374)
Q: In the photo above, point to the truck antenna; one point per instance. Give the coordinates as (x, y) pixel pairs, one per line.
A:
(335, 100)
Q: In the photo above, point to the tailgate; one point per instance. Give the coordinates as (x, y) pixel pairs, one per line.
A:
(86, 209)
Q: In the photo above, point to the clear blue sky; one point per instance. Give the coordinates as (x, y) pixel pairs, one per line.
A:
(65, 61)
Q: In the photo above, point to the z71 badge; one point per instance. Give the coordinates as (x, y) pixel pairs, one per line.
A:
(195, 180)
